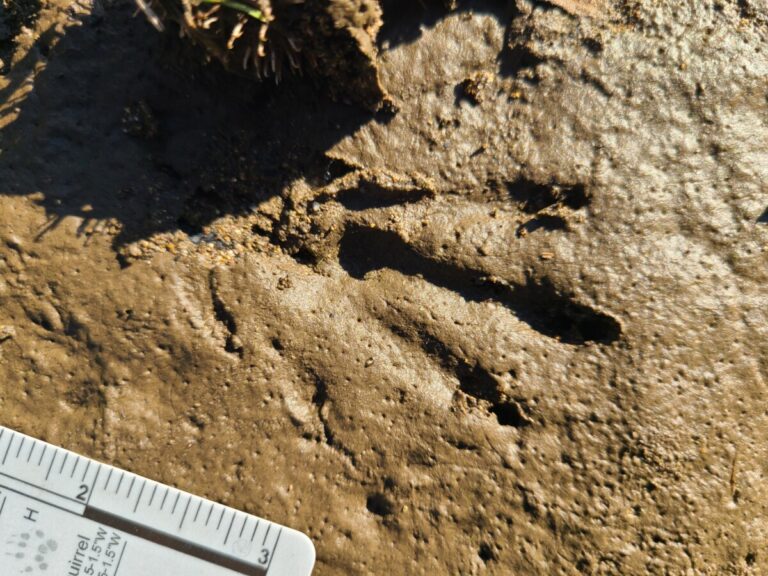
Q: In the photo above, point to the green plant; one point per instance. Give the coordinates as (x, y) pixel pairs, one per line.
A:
(239, 6)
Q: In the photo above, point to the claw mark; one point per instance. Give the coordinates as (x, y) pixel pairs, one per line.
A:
(320, 399)
(225, 317)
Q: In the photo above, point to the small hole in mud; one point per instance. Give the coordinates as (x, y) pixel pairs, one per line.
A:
(751, 558)
(277, 344)
(380, 505)
(594, 45)
(486, 553)
(532, 195)
(510, 414)
(576, 197)
(336, 169)
(598, 328)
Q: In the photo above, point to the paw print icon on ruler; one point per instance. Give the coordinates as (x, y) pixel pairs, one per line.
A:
(30, 551)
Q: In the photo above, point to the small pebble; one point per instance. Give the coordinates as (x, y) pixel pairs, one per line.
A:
(6, 333)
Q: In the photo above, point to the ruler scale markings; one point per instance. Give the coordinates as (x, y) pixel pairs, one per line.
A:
(21, 445)
(147, 533)
(109, 476)
(8, 449)
(183, 516)
(20, 493)
(175, 502)
(50, 467)
(254, 530)
(60, 493)
(174, 542)
(39, 487)
(267, 534)
(64, 463)
(31, 450)
(93, 484)
(87, 466)
(130, 488)
(122, 475)
(143, 485)
(230, 528)
(274, 549)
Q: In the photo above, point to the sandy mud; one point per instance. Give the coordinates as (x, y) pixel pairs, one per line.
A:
(512, 323)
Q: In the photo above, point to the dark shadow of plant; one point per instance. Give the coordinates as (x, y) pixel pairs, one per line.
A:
(124, 123)
(127, 124)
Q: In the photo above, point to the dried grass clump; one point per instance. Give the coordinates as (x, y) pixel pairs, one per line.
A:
(327, 39)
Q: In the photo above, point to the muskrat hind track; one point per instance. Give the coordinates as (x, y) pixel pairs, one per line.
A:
(536, 302)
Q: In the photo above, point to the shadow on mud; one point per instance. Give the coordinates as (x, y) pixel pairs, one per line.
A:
(14, 17)
(124, 123)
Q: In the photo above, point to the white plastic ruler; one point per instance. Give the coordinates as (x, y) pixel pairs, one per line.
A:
(62, 514)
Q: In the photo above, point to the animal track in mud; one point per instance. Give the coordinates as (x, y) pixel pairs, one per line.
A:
(370, 195)
(474, 380)
(537, 199)
(538, 303)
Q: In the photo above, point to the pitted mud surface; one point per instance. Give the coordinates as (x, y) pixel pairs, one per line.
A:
(514, 324)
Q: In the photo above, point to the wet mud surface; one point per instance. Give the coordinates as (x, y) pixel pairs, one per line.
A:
(513, 324)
